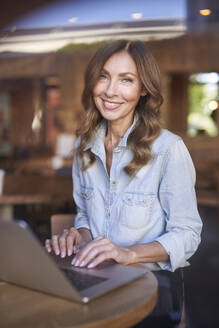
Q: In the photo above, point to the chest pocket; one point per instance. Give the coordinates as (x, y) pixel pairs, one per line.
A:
(136, 209)
(88, 195)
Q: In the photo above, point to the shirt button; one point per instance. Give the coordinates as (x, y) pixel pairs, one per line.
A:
(114, 182)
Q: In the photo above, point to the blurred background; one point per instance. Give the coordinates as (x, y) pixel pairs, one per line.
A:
(44, 48)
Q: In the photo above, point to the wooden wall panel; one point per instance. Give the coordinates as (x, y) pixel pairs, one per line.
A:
(189, 53)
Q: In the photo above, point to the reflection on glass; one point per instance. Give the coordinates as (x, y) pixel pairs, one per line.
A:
(53, 101)
(203, 104)
(5, 142)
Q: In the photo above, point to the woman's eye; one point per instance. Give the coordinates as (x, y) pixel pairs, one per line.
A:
(103, 76)
(127, 80)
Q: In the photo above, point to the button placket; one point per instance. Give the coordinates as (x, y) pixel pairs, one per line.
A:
(112, 188)
(114, 168)
(107, 218)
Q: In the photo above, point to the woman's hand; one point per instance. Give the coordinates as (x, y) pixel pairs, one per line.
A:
(100, 250)
(65, 244)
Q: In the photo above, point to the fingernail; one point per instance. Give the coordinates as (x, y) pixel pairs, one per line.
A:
(69, 253)
(73, 261)
(82, 264)
(62, 254)
(74, 249)
(57, 252)
(90, 265)
(76, 263)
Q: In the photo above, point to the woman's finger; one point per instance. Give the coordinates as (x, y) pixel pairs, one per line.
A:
(100, 258)
(88, 254)
(71, 241)
(55, 244)
(48, 245)
(86, 249)
(63, 243)
(78, 246)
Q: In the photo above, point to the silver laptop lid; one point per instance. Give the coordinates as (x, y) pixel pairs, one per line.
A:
(23, 261)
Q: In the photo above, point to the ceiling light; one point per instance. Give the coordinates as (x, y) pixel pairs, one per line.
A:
(205, 12)
(73, 19)
(137, 15)
(213, 104)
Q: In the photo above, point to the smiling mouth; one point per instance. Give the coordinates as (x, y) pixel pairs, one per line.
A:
(110, 105)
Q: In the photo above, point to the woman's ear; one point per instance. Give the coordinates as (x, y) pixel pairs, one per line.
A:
(143, 92)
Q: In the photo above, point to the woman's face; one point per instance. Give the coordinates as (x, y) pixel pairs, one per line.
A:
(118, 88)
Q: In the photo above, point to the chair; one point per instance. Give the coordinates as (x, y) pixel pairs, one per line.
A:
(59, 222)
(182, 323)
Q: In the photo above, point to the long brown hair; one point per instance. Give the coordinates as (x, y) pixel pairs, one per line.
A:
(148, 127)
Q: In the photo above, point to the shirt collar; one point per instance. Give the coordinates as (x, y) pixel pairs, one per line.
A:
(123, 140)
(100, 133)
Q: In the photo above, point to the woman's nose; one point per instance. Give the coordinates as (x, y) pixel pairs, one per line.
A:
(111, 89)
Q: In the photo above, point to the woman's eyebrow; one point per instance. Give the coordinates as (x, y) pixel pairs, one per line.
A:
(127, 73)
(120, 74)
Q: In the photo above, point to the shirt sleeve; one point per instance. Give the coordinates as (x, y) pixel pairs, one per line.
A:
(81, 219)
(178, 201)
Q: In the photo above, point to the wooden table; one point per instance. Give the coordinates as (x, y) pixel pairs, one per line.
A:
(8, 202)
(24, 199)
(123, 307)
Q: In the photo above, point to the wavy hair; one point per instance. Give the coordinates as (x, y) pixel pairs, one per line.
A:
(148, 127)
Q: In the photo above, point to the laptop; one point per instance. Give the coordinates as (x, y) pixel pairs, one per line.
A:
(25, 262)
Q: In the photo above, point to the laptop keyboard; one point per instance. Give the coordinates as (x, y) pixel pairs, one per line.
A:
(82, 280)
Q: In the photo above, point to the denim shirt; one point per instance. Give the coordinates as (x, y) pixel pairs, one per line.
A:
(158, 204)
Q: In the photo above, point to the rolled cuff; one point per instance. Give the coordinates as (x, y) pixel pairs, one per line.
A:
(81, 222)
(175, 252)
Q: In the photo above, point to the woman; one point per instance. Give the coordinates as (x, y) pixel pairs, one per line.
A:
(133, 181)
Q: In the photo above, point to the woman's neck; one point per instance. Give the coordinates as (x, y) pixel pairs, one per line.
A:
(115, 131)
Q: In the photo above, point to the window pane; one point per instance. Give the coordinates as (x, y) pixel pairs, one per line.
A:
(203, 104)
